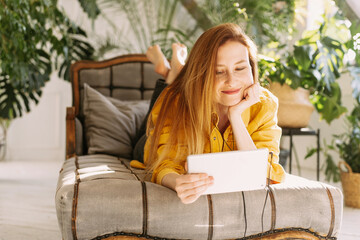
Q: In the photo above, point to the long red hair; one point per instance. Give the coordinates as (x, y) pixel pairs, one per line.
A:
(188, 102)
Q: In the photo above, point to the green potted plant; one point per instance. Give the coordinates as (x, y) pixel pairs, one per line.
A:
(35, 39)
(311, 70)
(347, 146)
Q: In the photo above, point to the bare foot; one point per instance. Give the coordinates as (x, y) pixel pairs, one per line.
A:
(155, 55)
(178, 58)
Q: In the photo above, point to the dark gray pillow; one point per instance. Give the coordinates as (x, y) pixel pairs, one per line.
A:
(111, 124)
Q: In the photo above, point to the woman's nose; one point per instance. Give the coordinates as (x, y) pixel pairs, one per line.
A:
(229, 79)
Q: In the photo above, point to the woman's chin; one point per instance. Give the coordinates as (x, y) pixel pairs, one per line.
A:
(233, 103)
(230, 102)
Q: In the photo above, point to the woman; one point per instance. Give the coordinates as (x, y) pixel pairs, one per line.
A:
(214, 104)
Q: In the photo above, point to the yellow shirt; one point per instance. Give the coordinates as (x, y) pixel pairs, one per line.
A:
(260, 121)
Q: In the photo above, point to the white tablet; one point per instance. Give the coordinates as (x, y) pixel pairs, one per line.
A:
(232, 171)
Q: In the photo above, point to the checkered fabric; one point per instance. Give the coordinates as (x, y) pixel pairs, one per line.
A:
(99, 196)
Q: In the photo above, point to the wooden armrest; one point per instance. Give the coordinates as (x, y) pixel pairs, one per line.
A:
(70, 132)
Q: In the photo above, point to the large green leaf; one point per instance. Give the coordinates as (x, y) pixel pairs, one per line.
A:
(90, 7)
(329, 59)
(12, 99)
(77, 50)
(331, 170)
(303, 56)
(328, 102)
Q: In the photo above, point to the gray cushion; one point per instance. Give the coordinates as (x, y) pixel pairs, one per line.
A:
(111, 124)
(101, 194)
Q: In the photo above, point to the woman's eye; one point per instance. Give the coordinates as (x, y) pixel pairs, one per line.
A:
(220, 72)
(239, 69)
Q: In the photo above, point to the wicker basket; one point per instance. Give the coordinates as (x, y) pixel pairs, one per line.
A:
(295, 108)
(351, 185)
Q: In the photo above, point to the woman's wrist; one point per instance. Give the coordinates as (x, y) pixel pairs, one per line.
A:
(242, 138)
(169, 180)
(236, 119)
(235, 112)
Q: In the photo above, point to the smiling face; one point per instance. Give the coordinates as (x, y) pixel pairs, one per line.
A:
(233, 74)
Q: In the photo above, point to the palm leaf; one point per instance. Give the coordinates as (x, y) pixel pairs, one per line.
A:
(90, 7)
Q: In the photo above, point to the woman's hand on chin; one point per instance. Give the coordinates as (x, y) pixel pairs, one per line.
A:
(189, 187)
(251, 97)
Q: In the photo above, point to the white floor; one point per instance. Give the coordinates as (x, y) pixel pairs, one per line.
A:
(27, 205)
(27, 202)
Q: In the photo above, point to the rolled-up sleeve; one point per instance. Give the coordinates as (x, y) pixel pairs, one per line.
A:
(266, 133)
(167, 165)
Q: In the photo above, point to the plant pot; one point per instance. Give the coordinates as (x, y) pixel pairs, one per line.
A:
(351, 186)
(295, 108)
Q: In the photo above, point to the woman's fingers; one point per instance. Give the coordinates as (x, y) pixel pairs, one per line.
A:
(189, 187)
(188, 178)
(256, 92)
(251, 94)
(191, 195)
(190, 198)
(194, 187)
(197, 190)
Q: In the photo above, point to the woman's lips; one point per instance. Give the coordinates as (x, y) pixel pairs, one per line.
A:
(230, 92)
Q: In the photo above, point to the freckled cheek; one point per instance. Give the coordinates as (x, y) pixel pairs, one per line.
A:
(247, 79)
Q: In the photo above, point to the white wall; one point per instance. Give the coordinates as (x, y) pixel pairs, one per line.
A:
(40, 134)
